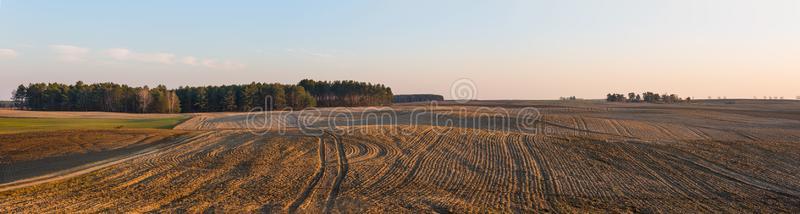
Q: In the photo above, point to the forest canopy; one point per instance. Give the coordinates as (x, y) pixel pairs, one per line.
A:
(347, 93)
(113, 97)
(109, 97)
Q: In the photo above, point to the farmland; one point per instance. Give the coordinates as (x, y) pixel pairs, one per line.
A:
(25, 121)
(577, 156)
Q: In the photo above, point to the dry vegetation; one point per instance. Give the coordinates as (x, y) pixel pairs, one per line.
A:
(9, 113)
(39, 145)
(583, 157)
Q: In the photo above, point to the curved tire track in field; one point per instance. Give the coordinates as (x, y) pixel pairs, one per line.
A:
(568, 127)
(549, 185)
(717, 170)
(387, 177)
(623, 129)
(665, 130)
(724, 172)
(419, 157)
(341, 174)
(311, 185)
(700, 134)
(360, 150)
(646, 162)
(521, 173)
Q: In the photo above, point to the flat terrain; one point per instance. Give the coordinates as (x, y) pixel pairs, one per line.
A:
(13, 121)
(486, 156)
(9, 113)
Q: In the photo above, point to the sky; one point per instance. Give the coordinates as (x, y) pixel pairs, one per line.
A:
(504, 49)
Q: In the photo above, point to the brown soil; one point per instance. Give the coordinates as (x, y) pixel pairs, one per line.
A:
(583, 157)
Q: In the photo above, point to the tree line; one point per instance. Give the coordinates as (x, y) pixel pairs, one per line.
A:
(232, 98)
(108, 97)
(113, 97)
(408, 98)
(647, 97)
(347, 93)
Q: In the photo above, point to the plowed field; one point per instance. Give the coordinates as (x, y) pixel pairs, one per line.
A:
(576, 157)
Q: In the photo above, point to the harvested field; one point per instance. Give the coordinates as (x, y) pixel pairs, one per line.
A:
(578, 157)
(86, 115)
(14, 121)
(39, 145)
(206, 170)
(34, 154)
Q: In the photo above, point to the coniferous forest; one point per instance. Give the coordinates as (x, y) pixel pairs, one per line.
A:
(113, 97)
(108, 97)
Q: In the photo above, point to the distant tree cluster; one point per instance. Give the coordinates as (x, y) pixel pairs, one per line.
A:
(96, 97)
(347, 93)
(772, 98)
(647, 97)
(6, 104)
(232, 98)
(407, 98)
(568, 98)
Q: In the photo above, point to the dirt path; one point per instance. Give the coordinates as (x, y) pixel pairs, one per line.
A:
(341, 174)
(84, 169)
(312, 184)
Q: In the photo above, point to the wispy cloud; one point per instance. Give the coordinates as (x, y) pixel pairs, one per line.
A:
(8, 54)
(189, 60)
(69, 53)
(212, 63)
(309, 53)
(128, 55)
(123, 54)
(223, 64)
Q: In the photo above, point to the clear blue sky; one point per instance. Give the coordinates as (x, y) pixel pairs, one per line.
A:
(509, 49)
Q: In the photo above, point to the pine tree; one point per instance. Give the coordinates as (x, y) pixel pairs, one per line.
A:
(249, 94)
(201, 100)
(19, 96)
(279, 97)
(229, 102)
